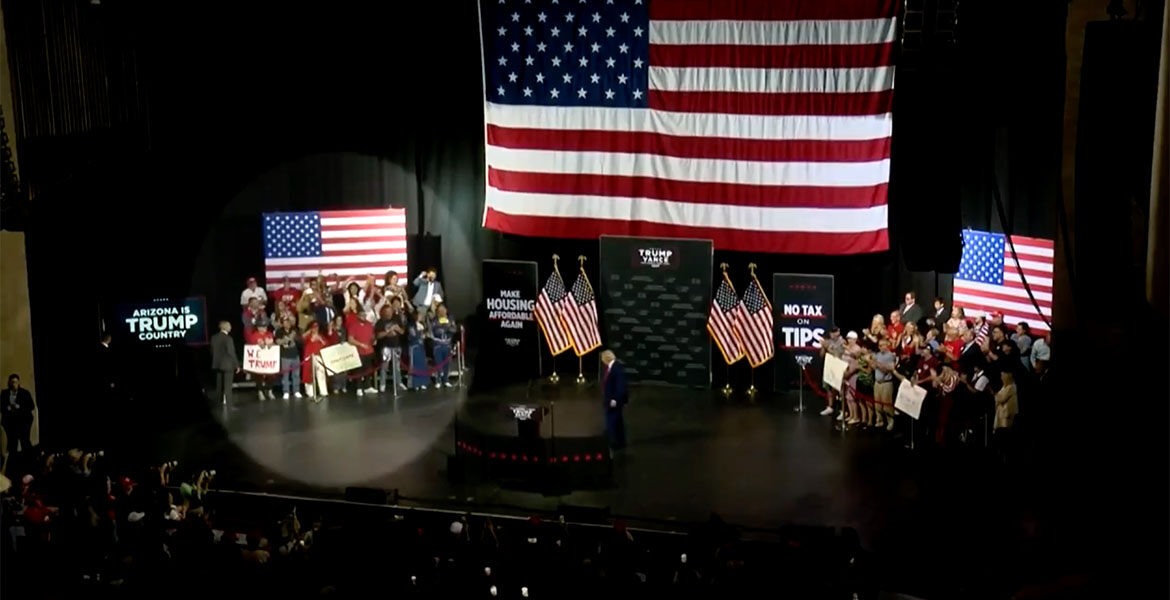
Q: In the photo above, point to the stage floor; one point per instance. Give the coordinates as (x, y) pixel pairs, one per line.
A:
(690, 452)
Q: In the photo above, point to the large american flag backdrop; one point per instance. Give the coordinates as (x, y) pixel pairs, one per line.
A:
(989, 280)
(350, 243)
(762, 125)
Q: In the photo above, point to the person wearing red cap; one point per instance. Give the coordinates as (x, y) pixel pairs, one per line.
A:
(253, 291)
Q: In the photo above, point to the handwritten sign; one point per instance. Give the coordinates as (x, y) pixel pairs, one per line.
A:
(264, 361)
(340, 358)
(834, 371)
(910, 399)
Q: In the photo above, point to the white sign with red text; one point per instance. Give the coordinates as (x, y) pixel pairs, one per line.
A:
(263, 361)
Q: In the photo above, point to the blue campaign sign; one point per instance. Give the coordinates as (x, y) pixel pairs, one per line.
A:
(163, 321)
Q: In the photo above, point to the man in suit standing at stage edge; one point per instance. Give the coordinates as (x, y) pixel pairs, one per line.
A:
(615, 396)
(224, 361)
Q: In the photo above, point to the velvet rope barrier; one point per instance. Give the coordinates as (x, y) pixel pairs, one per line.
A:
(856, 392)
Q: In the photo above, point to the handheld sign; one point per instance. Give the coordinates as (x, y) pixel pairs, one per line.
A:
(339, 358)
(834, 371)
(909, 399)
(263, 361)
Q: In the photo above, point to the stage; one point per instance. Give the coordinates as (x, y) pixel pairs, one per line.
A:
(757, 464)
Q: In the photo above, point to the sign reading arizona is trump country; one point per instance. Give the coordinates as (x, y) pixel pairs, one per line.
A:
(164, 321)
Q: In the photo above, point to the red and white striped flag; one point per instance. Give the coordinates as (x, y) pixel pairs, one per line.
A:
(759, 124)
(721, 322)
(578, 309)
(990, 281)
(350, 243)
(548, 318)
(753, 324)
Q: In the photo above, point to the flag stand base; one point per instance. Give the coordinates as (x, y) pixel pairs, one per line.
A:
(554, 378)
(727, 391)
(580, 371)
(751, 393)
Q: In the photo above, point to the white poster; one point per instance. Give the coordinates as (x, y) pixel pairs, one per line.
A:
(910, 399)
(264, 361)
(834, 371)
(339, 358)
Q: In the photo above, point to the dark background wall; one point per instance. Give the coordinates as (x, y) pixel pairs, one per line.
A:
(229, 110)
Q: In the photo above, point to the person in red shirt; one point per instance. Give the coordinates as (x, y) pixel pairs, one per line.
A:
(312, 366)
(360, 332)
(261, 336)
(896, 327)
(287, 295)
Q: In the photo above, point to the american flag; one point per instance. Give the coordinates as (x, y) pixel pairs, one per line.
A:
(350, 243)
(721, 325)
(753, 324)
(762, 125)
(546, 315)
(989, 281)
(579, 311)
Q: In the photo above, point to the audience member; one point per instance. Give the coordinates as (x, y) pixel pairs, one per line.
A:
(910, 311)
(418, 355)
(427, 286)
(958, 320)
(312, 366)
(833, 345)
(287, 296)
(287, 337)
(394, 289)
(360, 333)
(885, 362)
(1023, 340)
(253, 291)
(336, 334)
(443, 330)
(260, 336)
(1006, 408)
(940, 315)
(389, 348)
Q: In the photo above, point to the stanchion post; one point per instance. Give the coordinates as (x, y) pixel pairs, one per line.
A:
(800, 383)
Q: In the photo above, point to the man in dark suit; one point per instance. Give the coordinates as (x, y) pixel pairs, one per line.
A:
(911, 312)
(427, 288)
(615, 396)
(16, 415)
(940, 315)
(971, 355)
(224, 361)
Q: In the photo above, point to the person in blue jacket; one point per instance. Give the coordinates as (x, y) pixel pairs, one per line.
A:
(419, 376)
(443, 330)
(615, 396)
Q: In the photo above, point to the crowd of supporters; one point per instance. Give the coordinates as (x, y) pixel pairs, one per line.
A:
(394, 335)
(75, 526)
(973, 367)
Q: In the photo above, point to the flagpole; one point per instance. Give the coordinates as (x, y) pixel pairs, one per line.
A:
(554, 378)
(580, 358)
(751, 391)
(727, 391)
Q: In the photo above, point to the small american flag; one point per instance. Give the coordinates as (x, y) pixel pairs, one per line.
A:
(989, 280)
(760, 124)
(547, 317)
(579, 311)
(721, 325)
(753, 324)
(350, 243)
